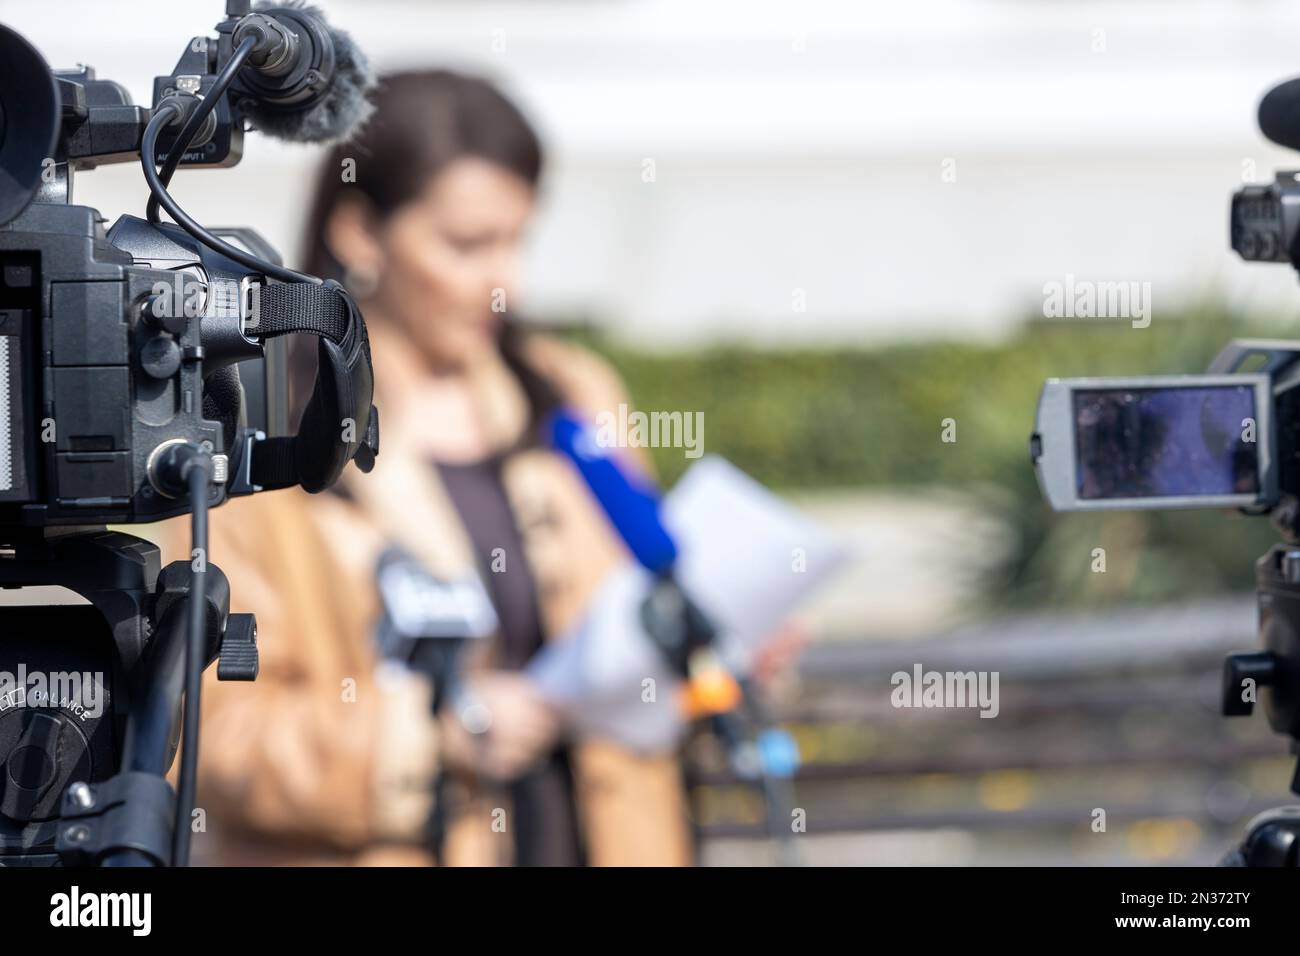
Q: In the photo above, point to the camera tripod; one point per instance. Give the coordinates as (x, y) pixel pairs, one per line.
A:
(85, 785)
(1271, 677)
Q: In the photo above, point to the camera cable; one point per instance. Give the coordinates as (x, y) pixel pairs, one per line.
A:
(188, 466)
(206, 105)
(167, 114)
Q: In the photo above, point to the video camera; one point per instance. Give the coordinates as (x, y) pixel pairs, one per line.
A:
(1230, 438)
(143, 376)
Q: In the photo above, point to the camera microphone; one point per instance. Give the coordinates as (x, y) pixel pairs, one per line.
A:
(304, 81)
(1279, 114)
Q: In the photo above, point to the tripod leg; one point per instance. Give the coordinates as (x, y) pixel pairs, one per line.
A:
(128, 820)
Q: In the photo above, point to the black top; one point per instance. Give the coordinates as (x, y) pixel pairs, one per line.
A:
(480, 498)
(544, 819)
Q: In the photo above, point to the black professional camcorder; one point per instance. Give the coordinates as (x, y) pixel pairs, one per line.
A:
(1230, 438)
(143, 375)
(118, 346)
(1264, 222)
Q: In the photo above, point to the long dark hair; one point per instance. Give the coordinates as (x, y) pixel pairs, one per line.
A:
(423, 120)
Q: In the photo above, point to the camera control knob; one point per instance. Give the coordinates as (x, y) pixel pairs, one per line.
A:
(31, 767)
(160, 357)
(1243, 675)
(156, 312)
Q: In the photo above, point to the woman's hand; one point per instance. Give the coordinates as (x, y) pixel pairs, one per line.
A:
(499, 727)
(779, 654)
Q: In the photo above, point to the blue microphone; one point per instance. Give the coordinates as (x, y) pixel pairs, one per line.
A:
(632, 505)
(671, 619)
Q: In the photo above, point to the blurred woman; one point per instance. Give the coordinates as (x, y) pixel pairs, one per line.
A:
(333, 753)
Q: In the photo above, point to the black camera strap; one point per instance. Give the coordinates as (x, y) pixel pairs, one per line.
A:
(301, 307)
(339, 423)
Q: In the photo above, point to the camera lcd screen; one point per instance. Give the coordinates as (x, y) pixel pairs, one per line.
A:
(1166, 442)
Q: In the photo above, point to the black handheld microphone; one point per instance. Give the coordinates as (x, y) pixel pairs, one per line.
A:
(304, 81)
(1279, 114)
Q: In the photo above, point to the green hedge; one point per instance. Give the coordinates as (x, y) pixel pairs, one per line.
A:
(821, 418)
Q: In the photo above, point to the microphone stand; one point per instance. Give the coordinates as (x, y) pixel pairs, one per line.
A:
(679, 628)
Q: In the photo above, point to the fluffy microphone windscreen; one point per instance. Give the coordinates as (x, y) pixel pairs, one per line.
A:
(1279, 114)
(338, 111)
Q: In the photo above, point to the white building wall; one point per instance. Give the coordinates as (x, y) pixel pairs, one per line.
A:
(802, 146)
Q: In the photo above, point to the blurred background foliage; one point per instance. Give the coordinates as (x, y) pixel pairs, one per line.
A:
(872, 418)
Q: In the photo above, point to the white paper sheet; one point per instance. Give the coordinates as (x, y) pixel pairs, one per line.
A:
(746, 557)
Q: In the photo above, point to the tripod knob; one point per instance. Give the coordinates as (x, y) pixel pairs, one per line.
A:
(237, 659)
(31, 767)
(1273, 839)
(1243, 674)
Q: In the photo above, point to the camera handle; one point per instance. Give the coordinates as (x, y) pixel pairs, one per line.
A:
(339, 423)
